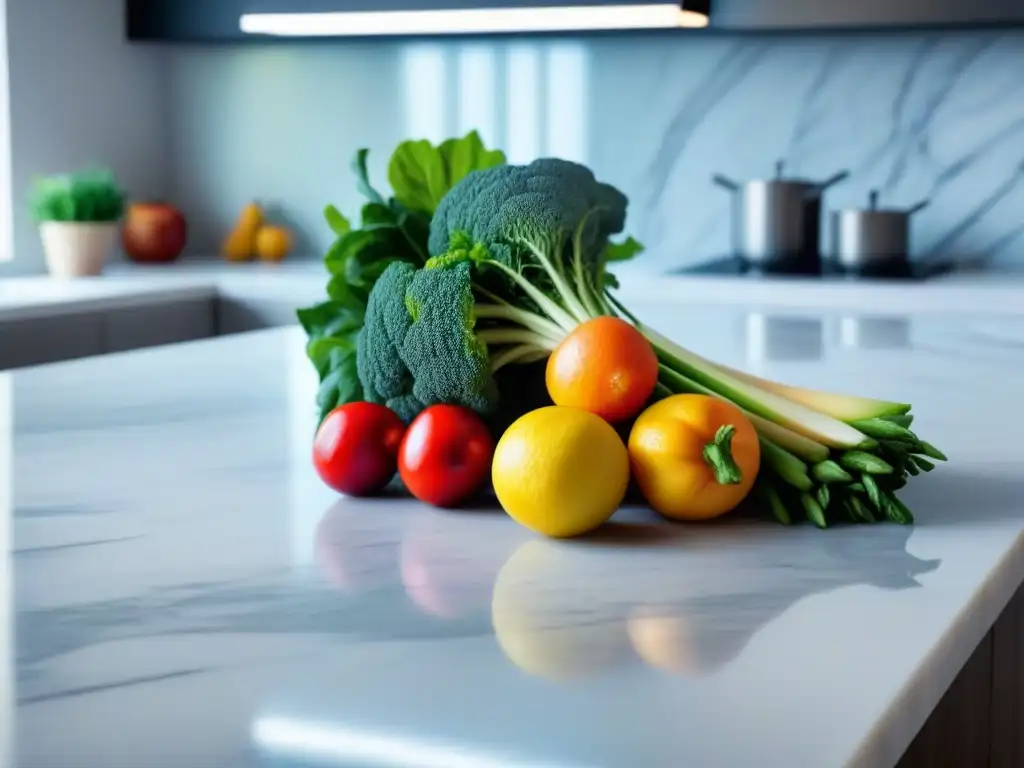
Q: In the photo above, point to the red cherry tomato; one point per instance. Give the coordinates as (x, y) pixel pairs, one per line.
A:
(356, 448)
(446, 455)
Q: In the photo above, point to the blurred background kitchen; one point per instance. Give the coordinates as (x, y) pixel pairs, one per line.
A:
(916, 101)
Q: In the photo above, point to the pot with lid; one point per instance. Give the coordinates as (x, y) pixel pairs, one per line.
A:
(872, 238)
(779, 219)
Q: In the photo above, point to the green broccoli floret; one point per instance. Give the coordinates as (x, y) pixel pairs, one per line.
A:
(546, 203)
(448, 361)
(545, 227)
(419, 347)
(384, 376)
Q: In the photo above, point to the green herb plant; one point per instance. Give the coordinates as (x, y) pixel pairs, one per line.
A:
(91, 196)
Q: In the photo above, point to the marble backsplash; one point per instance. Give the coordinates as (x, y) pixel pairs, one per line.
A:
(927, 115)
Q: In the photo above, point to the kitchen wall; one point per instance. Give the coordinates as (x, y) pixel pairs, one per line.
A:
(79, 95)
(917, 115)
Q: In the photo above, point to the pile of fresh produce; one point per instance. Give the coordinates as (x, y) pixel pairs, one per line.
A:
(480, 292)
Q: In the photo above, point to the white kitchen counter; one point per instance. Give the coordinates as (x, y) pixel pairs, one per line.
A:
(303, 281)
(186, 592)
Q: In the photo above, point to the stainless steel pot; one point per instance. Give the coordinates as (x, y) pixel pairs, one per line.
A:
(872, 237)
(776, 219)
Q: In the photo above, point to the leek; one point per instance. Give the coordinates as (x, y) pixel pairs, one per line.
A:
(842, 407)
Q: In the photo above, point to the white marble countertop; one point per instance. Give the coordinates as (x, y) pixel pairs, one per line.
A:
(302, 281)
(185, 591)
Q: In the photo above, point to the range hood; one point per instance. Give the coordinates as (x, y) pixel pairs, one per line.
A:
(223, 20)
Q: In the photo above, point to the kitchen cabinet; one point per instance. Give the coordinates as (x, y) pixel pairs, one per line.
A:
(34, 341)
(816, 14)
(239, 316)
(152, 325)
(977, 721)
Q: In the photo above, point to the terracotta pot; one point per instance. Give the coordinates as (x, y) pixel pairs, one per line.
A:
(77, 249)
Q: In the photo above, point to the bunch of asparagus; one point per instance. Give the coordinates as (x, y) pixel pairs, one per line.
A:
(855, 485)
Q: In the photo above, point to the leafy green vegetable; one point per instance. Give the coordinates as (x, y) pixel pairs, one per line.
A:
(624, 251)
(421, 174)
(85, 196)
(336, 221)
(332, 329)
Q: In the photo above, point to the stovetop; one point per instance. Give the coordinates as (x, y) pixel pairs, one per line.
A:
(826, 270)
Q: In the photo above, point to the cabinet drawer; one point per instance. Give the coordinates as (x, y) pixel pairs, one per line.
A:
(150, 326)
(234, 316)
(49, 339)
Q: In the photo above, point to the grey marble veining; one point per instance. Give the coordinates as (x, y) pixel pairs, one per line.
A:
(185, 591)
(928, 115)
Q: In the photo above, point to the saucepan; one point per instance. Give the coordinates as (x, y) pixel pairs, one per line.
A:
(777, 219)
(874, 237)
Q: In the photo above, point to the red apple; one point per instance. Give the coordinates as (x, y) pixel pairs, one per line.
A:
(153, 232)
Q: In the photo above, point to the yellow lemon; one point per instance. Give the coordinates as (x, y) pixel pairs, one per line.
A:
(560, 471)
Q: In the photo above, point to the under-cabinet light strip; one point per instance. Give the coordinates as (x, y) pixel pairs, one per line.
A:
(472, 21)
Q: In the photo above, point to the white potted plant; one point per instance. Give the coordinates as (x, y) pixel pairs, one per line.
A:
(78, 217)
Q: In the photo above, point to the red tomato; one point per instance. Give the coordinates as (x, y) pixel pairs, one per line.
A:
(446, 455)
(356, 448)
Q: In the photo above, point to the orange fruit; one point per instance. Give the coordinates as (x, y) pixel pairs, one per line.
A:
(605, 366)
(272, 242)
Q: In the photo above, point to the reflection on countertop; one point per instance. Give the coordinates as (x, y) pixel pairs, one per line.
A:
(874, 332)
(679, 600)
(185, 572)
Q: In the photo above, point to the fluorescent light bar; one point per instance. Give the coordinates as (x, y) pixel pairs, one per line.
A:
(472, 21)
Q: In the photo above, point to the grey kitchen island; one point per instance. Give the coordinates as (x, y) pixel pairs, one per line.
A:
(182, 590)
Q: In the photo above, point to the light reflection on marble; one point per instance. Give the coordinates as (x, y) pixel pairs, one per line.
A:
(773, 337)
(179, 570)
(874, 332)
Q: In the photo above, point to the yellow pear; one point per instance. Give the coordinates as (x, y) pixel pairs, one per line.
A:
(240, 244)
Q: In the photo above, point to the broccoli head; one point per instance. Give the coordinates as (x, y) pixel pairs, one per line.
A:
(382, 372)
(418, 346)
(449, 364)
(545, 203)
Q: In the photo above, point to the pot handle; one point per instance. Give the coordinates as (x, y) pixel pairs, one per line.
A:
(821, 186)
(919, 207)
(725, 182)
